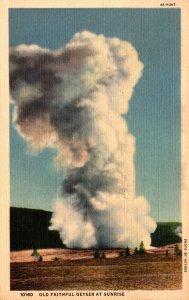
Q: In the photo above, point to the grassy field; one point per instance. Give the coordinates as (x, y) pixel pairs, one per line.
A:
(124, 273)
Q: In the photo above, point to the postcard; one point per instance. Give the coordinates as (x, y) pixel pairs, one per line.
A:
(94, 149)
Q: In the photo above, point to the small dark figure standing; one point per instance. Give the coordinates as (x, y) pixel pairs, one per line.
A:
(40, 258)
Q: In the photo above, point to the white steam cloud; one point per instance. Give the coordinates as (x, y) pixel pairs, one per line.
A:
(73, 100)
(178, 231)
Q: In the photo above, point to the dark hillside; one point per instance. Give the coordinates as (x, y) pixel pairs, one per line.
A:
(29, 230)
(165, 234)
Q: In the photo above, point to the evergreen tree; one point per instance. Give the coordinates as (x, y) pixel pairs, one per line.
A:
(141, 248)
(177, 250)
(96, 254)
(127, 251)
(136, 251)
(103, 255)
(35, 253)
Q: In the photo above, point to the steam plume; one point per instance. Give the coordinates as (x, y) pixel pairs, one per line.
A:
(178, 231)
(73, 100)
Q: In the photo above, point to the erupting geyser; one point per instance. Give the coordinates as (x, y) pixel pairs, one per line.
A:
(73, 99)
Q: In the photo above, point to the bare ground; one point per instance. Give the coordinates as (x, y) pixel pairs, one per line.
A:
(83, 272)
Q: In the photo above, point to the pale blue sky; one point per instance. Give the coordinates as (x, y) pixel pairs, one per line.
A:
(154, 114)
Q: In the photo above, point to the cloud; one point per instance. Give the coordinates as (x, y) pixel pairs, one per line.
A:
(73, 99)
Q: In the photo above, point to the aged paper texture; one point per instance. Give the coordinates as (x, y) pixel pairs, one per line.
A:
(94, 150)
